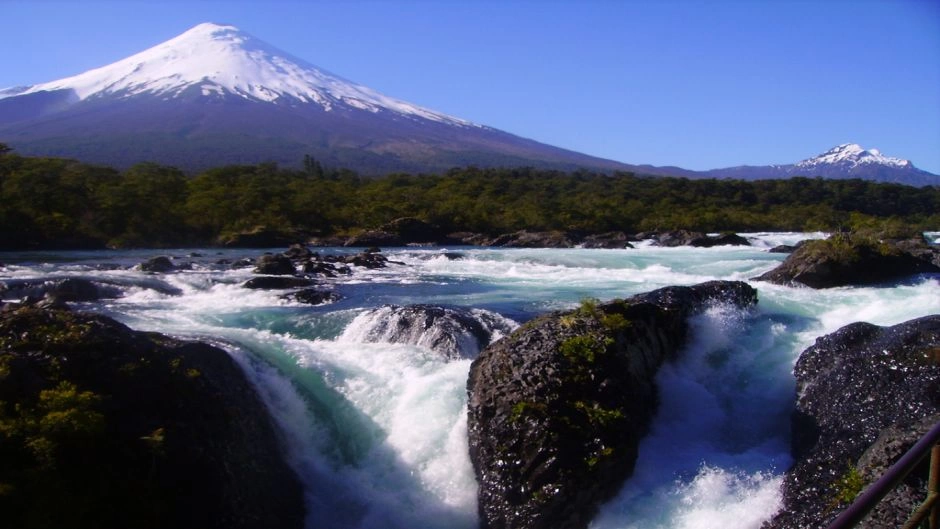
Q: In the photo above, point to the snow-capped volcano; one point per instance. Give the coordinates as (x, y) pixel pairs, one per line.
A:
(848, 160)
(223, 60)
(216, 95)
(850, 156)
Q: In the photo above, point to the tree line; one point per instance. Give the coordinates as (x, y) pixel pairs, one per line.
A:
(59, 203)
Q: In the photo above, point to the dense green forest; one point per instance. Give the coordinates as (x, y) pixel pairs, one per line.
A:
(50, 202)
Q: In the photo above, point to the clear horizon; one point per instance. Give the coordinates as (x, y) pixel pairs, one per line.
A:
(699, 86)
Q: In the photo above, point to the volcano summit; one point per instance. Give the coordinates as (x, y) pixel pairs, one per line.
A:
(216, 95)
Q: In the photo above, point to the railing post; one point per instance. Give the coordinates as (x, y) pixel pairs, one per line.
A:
(933, 486)
(867, 500)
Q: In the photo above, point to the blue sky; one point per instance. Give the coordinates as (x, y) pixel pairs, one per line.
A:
(696, 84)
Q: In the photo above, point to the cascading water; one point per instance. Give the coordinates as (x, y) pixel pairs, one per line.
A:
(374, 413)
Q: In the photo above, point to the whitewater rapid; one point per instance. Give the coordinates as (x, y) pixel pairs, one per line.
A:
(374, 419)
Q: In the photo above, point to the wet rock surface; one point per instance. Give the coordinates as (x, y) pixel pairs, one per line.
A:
(160, 264)
(558, 408)
(277, 283)
(451, 332)
(108, 427)
(313, 296)
(865, 395)
(277, 264)
(844, 260)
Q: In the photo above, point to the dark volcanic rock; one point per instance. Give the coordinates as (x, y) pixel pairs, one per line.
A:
(557, 409)
(782, 248)
(724, 239)
(865, 395)
(449, 331)
(159, 264)
(367, 259)
(111, 428)
(75, 289)
(274, 265)
(312, 296)
(613, 240)
(274, 283)
(533, 239)
(61, 290)
(671, 239)
(844, 260)
(919, 248)
(298, 252)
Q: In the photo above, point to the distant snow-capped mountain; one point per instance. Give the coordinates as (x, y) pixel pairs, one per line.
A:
(848, 160)
(217, 95)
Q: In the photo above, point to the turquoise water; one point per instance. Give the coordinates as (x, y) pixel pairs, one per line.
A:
(377, 430)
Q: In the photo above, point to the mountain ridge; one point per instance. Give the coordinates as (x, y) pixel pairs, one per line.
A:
(215, 95)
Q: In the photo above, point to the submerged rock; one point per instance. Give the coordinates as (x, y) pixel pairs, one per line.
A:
(277, 283)
(312, 296)
(556, 410)
(160, 264)
(865, 395)
(845, 260)
(69, 289)
(107, 427)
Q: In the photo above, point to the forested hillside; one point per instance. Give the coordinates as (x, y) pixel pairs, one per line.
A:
(50, 202)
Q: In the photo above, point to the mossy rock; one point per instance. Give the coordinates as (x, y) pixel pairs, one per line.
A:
(846, 260)
(105, 427)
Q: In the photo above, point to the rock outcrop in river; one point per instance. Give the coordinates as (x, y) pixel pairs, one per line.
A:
(451, 332)
(866, 394)
(558, 408)
(846, 260)
(105, 427)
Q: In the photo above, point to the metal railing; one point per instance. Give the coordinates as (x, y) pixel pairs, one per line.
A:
(927, 513)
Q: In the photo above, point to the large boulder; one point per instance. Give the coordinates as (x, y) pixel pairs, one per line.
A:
(865, 395)
(313, 296)
(533, 239)
(844, 260)
(697, 239)
(556, 410)
(58, 289)
(610, 240)
(451, 332)
(722, 239)
(674, 238)
(159, 264)
(367, 259)
(276, 264)
(102, 426)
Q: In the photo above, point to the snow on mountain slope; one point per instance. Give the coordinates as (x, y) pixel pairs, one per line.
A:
(221, 60)
(850, 155)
